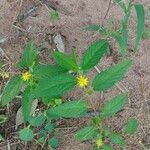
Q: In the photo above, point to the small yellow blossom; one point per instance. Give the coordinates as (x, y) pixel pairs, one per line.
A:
(99, 143)
(26, 76)
(82, 81)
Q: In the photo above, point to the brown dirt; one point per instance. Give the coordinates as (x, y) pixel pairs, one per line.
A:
(18, 25)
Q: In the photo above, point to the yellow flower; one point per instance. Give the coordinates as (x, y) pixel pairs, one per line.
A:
(99, 143)
(82, 81)
(26, 76)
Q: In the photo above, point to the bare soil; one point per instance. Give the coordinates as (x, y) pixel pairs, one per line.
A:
(24, 20)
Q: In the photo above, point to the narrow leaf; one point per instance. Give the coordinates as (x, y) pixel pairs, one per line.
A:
(26, 104)
(140, 24)
(107, 78)
(93, 54)
(72, 109)
(11, 89)
(114, 105)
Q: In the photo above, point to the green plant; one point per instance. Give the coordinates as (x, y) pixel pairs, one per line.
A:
(121, 34)
(48, 83)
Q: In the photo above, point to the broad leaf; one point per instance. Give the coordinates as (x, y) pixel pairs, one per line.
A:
(131, 126)
(93, 54)
(38, 120)
(49, 127)
(26, 134)
(117, 139)
(11, 89)
(54, 87)
(30, 56)
(65, 61)
(71, 109)
(53, 142)
(114, 105)
(86, 133)
(109, 77)
(42, 71)
(140, 23)
(106, 147)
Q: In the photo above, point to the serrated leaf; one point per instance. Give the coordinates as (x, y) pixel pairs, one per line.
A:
(54, 87)
(11, 89)
(26, 104)
(114, 105)
(53, 142)
(42, 71)
(95, 27)
(109, 77)
(106, 147)
(140, 24)
(93, 54)
(86, 133)
(38, 120)
(30, 56)
(131, 126)
(26, 134)
(65, 61)
(117, 139)
(71, 109)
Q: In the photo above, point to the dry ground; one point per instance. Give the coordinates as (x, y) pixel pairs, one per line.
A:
(24, 20)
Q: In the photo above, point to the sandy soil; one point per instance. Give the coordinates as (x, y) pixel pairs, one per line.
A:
(24, 20)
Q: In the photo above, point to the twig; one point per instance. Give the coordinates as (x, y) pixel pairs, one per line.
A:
(108, 9)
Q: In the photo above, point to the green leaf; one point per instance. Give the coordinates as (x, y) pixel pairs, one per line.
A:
(117, 139)
(26, 134)
(26, 104)
(53, 142)
(1, 138)
(121, 4)
(38, 120)
(114, 105)
(106, 147)
(49, 127)
(54, 87)
(42, 71)
(140, 24)
(71, 109)
(107, 78)
(3, 118)
(131, 126)
(54, 16)
(122, 41)
(86, 133)
(95, 27)
(30, 56)
(65, 61)
(11, 89)
(93, 54)
(42, 140)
